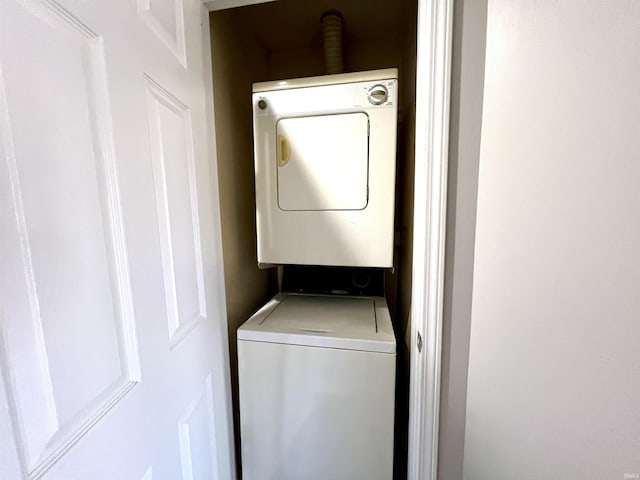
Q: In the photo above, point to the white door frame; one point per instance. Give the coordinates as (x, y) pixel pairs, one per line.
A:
(433, 80)
(222, 394)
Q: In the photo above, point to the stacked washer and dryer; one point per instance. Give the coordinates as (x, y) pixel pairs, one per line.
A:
(317, 363)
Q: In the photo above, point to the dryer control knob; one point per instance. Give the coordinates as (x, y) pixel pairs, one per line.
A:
(378, 94)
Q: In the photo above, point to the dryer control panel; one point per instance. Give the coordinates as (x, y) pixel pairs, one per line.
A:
(379, 94)
(292, 97)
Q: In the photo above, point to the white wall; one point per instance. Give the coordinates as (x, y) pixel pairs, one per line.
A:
(554, 368)
(467, 76)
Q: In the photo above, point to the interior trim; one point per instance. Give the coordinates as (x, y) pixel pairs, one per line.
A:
(433, 79)
(213, 5)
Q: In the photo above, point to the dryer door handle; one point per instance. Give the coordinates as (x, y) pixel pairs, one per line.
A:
(283, 151)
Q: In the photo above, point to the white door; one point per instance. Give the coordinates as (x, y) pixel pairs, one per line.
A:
(113, 346)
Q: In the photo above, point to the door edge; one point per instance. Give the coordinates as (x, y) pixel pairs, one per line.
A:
(223, 409)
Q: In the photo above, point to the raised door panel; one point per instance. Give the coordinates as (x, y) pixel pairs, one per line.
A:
(173, 160)
(165, 18)
(68, 333)
(197, 436)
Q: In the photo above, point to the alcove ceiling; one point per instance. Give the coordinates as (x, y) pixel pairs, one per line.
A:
(280, 24)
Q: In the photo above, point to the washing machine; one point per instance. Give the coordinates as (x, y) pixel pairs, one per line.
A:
(317, 383)
(325, 164)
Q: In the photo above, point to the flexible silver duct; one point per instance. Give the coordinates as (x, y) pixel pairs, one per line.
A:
(332, 37)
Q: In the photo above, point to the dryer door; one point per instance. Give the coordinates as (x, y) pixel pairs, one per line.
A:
(323, 162)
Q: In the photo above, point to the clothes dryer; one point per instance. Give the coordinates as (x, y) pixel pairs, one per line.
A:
(325, 164)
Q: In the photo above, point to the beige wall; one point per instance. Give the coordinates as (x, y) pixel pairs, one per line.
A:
(237, 61)
(554, 364)
(467, 73)
(358, 56)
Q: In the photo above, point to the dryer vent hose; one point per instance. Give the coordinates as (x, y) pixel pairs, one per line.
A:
(332, 37)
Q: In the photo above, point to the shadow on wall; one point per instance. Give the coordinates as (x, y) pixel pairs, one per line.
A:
(467, 85)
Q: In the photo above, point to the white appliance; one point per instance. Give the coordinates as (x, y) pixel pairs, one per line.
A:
(317, 382)
(325, 156)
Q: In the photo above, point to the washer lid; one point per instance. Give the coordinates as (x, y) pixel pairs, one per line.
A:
(353, 323)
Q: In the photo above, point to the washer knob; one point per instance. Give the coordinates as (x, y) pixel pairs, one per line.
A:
(378, 94)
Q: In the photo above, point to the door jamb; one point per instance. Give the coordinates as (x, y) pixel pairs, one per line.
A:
(433, 79)
(224, 441)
